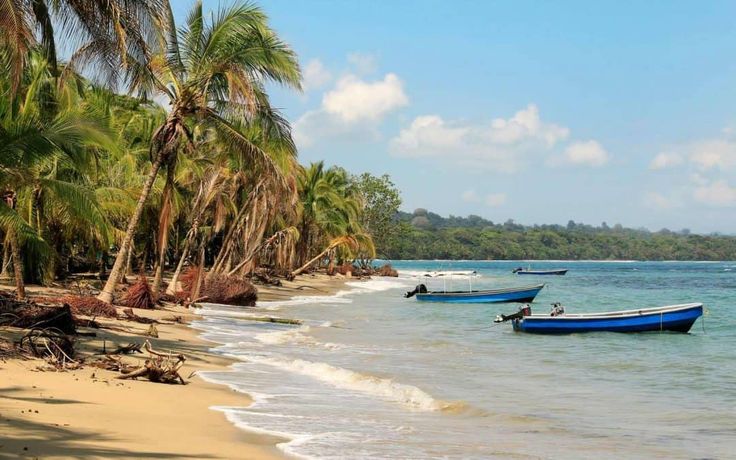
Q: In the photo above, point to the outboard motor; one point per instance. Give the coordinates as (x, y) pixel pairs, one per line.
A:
(526, 310)
(557, 309)
(420, 289)
(517, 270)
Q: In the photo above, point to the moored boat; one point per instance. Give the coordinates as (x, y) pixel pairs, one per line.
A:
(511, 294)
(675, 318)
(523, 271)
(449, 273)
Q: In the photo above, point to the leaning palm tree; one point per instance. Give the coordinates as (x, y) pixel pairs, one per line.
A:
(110, 35)
(213, 74)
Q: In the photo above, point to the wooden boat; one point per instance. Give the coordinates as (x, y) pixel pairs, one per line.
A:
(522, 271)
(511, 294)
(676, 318)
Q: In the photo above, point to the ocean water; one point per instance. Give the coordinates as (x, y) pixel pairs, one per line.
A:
(373, 375)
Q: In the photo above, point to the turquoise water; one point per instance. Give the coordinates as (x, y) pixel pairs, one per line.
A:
(374, 375)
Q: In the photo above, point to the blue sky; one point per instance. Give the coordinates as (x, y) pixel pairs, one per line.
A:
(540, 112)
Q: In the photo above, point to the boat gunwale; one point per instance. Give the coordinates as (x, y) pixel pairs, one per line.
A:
(619, 314)
(484, 291)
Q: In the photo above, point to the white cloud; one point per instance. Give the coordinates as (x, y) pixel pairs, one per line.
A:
(355, 100)
(353, 109)
(714, 154)
(316, 75)
(502, 144)
(363, 63)
(524, 125)
(718, 194)
(495, 199)
(665, 160)
(656, 200)
(584, 153)
(469, 196)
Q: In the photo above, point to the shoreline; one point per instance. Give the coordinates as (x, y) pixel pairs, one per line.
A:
(86, 413)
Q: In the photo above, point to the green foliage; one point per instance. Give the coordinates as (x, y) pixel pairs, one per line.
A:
(478, 239)
(381, 200)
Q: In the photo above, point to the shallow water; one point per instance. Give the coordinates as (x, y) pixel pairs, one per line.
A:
(373, 375)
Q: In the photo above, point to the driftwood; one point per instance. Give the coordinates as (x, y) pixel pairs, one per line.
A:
(127, 349)
(34, 317)
(50, 343)
(161, 367)
(131, 316)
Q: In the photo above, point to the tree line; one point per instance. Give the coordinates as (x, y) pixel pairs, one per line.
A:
(426, 235)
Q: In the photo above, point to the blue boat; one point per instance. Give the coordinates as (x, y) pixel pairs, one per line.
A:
(675, 318)
(522, 271)
(512, 294)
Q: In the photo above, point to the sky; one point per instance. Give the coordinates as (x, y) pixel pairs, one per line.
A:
(540, 112)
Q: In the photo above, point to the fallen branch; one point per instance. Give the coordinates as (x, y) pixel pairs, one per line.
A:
(130, 315)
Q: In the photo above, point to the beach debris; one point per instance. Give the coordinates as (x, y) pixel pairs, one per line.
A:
(127, 349)
(230, 290)
(81, 305)
(49, 343)
(139, 295)
(387, 270)
(160, 368)
(272, 319)
(152, 331)
(266, 276)
(131, 316)
(33, 316)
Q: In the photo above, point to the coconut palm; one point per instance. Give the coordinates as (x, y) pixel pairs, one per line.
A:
(110, 35)
(47, 139)
(213, 74)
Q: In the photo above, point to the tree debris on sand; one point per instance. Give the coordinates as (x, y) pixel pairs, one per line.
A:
(161, 367)
(82, 305)
(230, 290)
(131, 316)
(387, 270)
(139, 295)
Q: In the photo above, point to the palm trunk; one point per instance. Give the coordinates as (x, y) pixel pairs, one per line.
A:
(319, 256)
(163, 228)
(20, 287)
(171, 289)
(194, 295)
(108, 291)
(7, 257)
(129, 261)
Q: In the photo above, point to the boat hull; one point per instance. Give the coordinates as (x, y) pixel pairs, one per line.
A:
(522, 294)
(541, 272)
(674, 320)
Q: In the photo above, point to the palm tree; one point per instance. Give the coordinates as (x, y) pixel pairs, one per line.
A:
(112, 35)
(46, 142)
(213, 74)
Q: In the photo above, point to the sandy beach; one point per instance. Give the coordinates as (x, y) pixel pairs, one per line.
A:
(87, 413)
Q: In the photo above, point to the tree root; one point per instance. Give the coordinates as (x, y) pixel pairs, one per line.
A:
(161, 367)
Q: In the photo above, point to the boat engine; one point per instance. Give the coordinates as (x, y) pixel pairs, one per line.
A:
(420, 289)
(557, 309)
(526, 310)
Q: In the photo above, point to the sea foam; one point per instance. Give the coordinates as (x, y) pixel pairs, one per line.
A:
(407, 395)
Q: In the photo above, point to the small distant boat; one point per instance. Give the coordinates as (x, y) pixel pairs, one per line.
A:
(524, 271)
(675, 318)
(437, 274)
(513, 294)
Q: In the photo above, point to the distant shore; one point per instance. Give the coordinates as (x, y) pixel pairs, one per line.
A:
(87, 413)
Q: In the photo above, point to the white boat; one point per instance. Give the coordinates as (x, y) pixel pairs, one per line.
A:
(440, 273)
